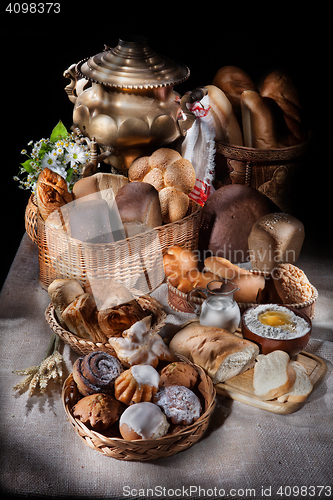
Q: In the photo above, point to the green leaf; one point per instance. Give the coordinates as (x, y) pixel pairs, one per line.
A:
(59, 132)
(27, 166)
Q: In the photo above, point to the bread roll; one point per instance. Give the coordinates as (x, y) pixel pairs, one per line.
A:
(106, 184)
(227, 219)
(224, 269)
(273, 375)
(180, 175)
(174, 204)
(258, 122)
(81, 319)
(221, 354)
(274, 239)
(291, 284)
(177, 262)
(139, 168)
(227, 129)
(62, 292)
(233, 81)
(138, 205)
(51, 192)
(113, 321)
(163, 157)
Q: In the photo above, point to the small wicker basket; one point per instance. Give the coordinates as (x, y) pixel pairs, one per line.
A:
(178, 301)
(273, 172)
(85, 346)
(149, 449)
(61, 256)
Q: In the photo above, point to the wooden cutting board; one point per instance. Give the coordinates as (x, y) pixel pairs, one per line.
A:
(240, 388)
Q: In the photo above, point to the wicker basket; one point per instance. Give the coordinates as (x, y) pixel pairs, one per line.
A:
(178, 301)
(31, 212)
(149, 449)
(271, 171)
(84, 346)
(63, 257)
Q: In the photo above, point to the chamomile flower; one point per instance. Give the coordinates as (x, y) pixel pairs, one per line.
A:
(50, 160)
(75, 154)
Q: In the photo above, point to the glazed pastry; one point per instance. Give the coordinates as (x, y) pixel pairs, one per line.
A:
(143, 421)
(98, 411)
(179, 373)
(179, 404)
(96, 372)
(140, 345)
(51, 192)
(137, 384)
(114, 320)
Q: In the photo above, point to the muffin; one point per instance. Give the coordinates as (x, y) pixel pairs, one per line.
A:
(179, 373)
(143, 421)
(180, 405)
(98, 411)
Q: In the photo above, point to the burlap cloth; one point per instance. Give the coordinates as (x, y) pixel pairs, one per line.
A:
(245, 453)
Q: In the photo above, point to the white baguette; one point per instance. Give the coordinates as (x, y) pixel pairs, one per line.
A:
(227, 128)
(301, 388)
(273, 375)
(221, 354)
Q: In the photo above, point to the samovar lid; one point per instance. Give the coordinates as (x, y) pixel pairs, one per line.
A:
(132, 65)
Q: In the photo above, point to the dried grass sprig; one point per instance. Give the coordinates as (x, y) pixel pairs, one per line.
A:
(39, 376)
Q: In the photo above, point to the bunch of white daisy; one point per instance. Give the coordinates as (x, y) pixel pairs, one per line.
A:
(59, 153)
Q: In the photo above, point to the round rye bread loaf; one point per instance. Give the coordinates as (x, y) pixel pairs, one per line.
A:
(227, 220)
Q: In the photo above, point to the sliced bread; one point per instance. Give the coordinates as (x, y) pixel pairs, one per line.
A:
(301, 388)
(221, 354)
(273, 375)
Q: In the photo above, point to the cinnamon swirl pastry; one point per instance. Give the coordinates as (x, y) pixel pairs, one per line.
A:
(96, 372)
(51, 192)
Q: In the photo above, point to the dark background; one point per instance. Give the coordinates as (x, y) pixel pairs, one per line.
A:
(36, 49)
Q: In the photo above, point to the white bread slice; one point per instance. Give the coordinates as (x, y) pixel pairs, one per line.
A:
(273, 375)
(220, 353)
(301, 388)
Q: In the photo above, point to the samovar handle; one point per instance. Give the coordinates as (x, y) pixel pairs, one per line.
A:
(190, 97)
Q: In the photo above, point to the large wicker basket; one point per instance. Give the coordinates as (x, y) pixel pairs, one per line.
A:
(149, 449)
(30, 218)
(274, 172)
(85, 346)
(63, 257)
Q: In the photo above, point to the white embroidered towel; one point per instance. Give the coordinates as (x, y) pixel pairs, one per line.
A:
(199, 148)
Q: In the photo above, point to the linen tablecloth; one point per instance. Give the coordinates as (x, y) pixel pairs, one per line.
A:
(245, 453)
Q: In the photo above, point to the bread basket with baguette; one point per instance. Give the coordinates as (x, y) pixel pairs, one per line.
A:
(112, 445)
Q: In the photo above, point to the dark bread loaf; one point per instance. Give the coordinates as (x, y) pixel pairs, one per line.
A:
(227, 220)
(138, 205)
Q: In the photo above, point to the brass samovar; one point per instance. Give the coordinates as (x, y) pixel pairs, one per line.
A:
(124, 100)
